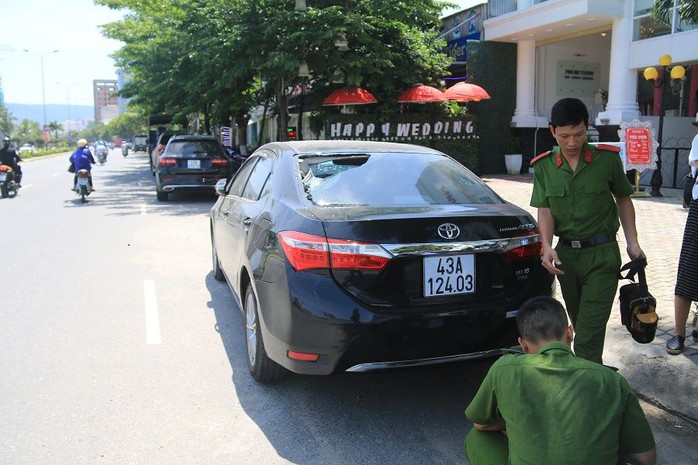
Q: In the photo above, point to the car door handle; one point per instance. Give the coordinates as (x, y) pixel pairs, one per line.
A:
(225, 212)
(247, 221)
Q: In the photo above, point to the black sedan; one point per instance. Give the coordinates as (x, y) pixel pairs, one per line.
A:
(190, 163)
(357, 256)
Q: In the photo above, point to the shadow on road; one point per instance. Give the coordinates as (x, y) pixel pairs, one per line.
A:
(129, 189)
(410, 416)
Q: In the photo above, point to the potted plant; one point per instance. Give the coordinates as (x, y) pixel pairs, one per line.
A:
(513, 158)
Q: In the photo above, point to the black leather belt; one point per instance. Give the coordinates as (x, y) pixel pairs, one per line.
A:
(588, 243)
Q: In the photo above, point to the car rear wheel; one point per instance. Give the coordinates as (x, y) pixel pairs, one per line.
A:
(217, 272)
(162, 196)
(262, 368)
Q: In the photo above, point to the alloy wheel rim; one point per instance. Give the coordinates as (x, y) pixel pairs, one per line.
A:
(251, 329)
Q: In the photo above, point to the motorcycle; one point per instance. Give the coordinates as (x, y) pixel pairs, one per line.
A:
(8, 183)
(101, 151)
(82, 187)
(124, 150)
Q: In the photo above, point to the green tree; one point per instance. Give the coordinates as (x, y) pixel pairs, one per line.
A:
(687, 10)
(28, 132)
(220, 58)
(55, 126)
(127, 125)
(7, 121)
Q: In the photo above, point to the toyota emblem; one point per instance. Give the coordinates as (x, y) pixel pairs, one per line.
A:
(449, 231)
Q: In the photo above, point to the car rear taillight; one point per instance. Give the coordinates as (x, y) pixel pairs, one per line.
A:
(165, 162)
(306, 252)
(522, 247)
(219, 162)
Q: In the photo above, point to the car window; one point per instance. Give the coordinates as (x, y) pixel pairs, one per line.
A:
(193, 149)
(392, 179)
(257, 179)
(240, 179)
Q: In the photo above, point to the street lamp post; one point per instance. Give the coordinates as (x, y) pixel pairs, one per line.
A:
(303, 73)
(651, 74)
(43, 86)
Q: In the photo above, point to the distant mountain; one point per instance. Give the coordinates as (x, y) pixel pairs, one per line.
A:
(54, 112)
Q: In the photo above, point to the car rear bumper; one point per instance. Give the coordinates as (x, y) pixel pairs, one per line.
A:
(204, 182)
(174, 187)
(319, 318)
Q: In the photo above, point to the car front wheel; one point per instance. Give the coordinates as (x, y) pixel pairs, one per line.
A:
(262, 368)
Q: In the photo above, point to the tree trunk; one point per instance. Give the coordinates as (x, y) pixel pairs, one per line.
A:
(241, 120)
(282, 106)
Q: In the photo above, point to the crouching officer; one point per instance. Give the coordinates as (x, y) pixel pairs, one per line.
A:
(583, 196)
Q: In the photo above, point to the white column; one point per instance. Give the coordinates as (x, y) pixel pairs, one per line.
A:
(525, 113)
(622, 81)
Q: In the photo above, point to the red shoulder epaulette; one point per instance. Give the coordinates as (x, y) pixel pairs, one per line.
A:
(612, 148)
(542, 155)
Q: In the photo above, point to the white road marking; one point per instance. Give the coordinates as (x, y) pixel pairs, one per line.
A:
(143, 212)
(152, 319)
(56, 174)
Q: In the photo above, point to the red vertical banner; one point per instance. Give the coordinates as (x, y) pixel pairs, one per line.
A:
(638, 145)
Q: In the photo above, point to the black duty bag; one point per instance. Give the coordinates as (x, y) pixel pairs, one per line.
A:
(637, 306)
(71, 168)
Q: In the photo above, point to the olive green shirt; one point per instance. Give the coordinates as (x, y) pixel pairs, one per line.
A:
(560, 408)
(581, 202)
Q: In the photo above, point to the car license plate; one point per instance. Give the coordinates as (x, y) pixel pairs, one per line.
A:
(194, 164)
(448, 275)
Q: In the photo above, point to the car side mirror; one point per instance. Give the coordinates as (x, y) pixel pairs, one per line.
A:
(220, 186)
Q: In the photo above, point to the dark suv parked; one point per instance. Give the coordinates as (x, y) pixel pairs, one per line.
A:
(190, 162)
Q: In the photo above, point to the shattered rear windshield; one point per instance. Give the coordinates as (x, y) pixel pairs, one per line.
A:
(390, 179)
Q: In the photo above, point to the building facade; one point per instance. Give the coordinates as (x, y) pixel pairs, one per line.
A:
(597, 50)
(105, 100)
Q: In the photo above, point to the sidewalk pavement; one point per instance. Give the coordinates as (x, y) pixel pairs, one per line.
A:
(667, 381)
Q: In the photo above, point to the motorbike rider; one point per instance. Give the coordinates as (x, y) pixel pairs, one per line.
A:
(82, 159)
(10, 157)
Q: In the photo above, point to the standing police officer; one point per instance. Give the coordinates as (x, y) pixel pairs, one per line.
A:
(581, 193)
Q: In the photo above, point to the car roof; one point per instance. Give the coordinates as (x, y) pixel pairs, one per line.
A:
(320, 147)
(192, 137)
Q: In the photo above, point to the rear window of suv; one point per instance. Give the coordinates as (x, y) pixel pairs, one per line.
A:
(193, 149)
(391, 179)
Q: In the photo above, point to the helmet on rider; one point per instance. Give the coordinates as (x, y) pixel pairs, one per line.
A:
(82, 143)
(6, 141)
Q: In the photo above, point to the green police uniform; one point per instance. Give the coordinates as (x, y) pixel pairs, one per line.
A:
(558, 409)
(586, 220)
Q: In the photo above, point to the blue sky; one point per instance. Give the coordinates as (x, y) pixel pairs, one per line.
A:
(41, 26)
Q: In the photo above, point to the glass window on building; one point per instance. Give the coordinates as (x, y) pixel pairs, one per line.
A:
(645, 26)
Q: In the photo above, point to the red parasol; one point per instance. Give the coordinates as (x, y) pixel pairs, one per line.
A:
(422, 94)
(349, 96)
(466, 92)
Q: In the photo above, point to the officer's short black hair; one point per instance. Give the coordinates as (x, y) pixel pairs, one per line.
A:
(569, 112)
(542, 318)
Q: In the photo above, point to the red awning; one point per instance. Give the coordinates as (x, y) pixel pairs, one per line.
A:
(422, 93)
(349, 96)
(466, 92)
